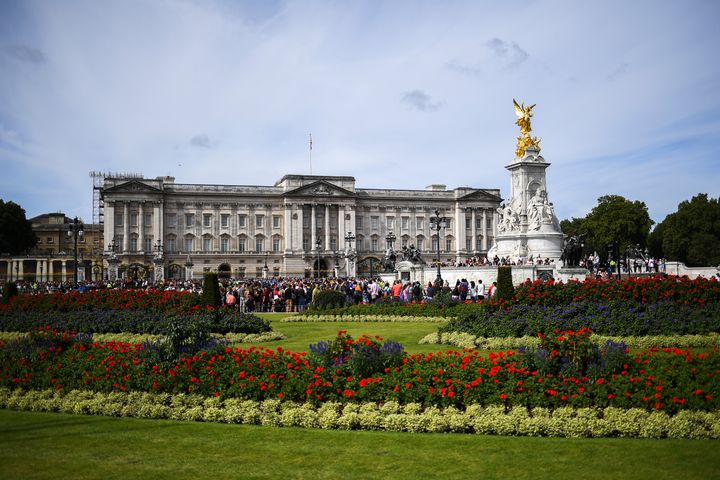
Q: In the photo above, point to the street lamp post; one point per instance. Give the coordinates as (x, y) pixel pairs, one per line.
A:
(349, 254)
(159, 262)
(265, 267)
(436, 223)
(76, 229)
(318, 244)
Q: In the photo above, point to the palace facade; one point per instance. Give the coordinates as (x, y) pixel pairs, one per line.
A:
(303, 225)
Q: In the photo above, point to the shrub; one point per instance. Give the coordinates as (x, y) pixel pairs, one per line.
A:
(329, 299)
(130, 321)
(363, 357)
(10, 290)
(505, 288)
(211, 290)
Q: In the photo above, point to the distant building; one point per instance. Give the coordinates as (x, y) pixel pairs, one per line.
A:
(53, 257)
(297, 227)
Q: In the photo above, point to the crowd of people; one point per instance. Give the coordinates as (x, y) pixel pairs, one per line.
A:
(482, 261)
(287, 294)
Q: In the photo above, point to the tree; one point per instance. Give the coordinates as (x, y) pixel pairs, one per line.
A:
(16, 233)
(692, 234)
(614, 219)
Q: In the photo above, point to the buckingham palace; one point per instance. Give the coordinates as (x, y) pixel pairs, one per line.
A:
(303, 225)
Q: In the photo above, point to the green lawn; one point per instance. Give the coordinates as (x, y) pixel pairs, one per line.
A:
(301, 334)
(47, 445)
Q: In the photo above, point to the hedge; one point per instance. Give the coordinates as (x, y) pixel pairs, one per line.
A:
(390, 416)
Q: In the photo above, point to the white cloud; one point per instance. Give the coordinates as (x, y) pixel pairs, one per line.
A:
(226, 92)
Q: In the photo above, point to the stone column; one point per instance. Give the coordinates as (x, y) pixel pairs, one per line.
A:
(459, 231)
(327, 228)
(484, 229)
(353, 225)
(300, 226)
(21, 269)
(494, 225)
(50, 271)
(126, 229)
(109, 224)
(313, 226)
(287, 229)
(141, 227)
(473, 226)
(157, 223)
(341, 231)
(38, 270)
(64, 271)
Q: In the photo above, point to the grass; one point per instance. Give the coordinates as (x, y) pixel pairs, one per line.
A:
(50, 445)
(301, 334)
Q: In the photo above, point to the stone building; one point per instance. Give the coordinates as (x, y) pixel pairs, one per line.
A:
(303, 225)
(53, 257)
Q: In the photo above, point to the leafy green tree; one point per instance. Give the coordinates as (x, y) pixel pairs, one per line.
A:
(613, 219)
(16, 233)
(572, 226)
(692, 234)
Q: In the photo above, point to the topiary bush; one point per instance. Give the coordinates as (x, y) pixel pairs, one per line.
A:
(329, 299)
(9, 290)
(211, 290)
(505, 287)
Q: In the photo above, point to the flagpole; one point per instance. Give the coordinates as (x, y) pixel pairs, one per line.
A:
(311, 154)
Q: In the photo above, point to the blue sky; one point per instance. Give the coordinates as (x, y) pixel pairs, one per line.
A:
(398, 94)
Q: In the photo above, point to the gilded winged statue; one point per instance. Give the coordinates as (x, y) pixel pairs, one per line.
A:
(525, 141)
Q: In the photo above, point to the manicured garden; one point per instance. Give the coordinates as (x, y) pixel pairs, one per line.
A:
(565, 382)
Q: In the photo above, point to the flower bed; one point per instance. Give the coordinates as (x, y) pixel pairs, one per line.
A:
(163, 301)
(391, 416)
(609, 317)
(131, 321)
(361, 318)
(466, 340)
(668, 380)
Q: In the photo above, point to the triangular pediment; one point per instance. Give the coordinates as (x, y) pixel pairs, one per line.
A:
(481, 195)
(132, 186)
(321, 188)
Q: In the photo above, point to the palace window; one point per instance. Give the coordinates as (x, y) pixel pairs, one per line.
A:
(133, 244)
(276, 244)
(119, 219)
(374, 223)
(133, 219)
(224, 244)
(405, 223)
(434, 243)
(241, 245)
(148, 245)
(171, 220)
(276, 221)
(420, 243)
(259, 244)
(188, 245)
(333, 243)
(374, 244)
(207, 220)
(390, 221)
(170, 245)
(207, 244)
(242, 221)
(448, 245)
(225, 220)
(259, 221)
(148, 219)
(468, 243)
(419, 223)
(189, 220)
